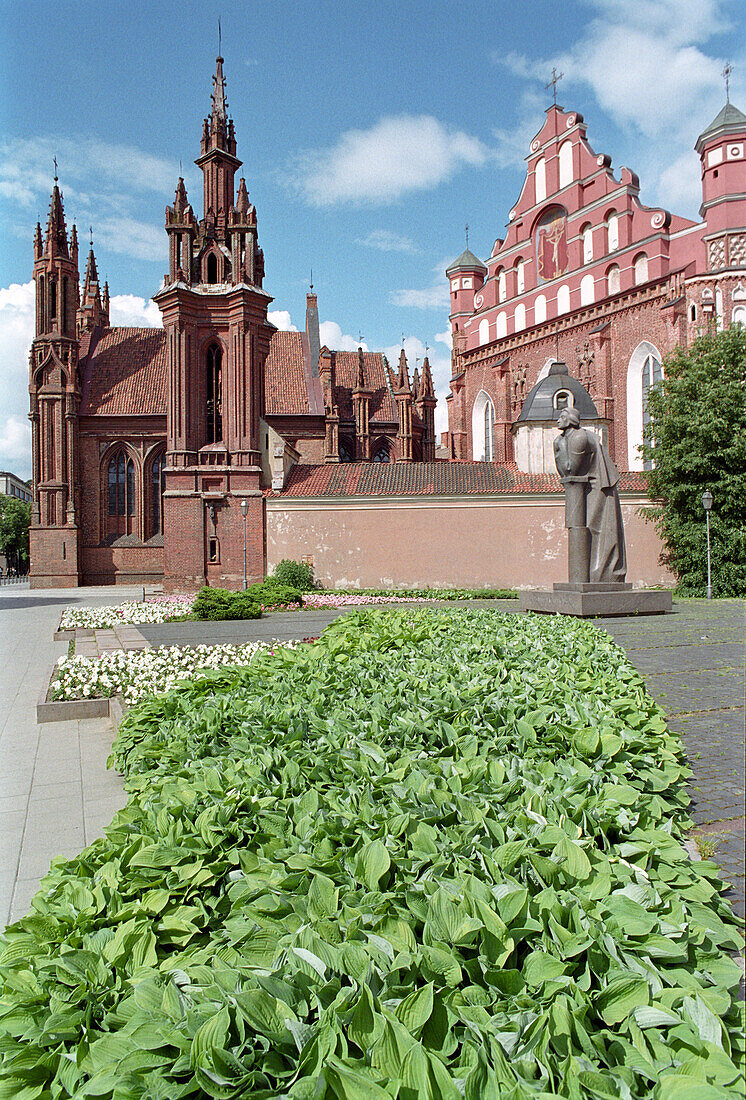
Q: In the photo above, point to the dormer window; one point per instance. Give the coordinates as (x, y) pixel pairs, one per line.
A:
(562, 400)
(212, 268)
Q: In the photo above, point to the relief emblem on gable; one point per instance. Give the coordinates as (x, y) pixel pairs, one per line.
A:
(551, 244)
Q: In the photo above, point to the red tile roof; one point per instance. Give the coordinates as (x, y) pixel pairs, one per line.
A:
(427, 479)
(382, 405)
(124, 373)
(285, 392)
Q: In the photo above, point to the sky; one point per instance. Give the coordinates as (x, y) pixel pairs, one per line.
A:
(371, 134)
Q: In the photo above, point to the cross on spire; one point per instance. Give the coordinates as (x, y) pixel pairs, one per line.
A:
(466, 231)
(726, 74)
(311, 283)
(220, 40)
(55, 168)
(90, 229)
(556, 77)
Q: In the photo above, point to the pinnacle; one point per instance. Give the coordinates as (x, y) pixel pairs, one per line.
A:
(402, 384)
(56, 241)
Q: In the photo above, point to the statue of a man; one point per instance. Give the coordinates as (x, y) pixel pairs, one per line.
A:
(593, 515)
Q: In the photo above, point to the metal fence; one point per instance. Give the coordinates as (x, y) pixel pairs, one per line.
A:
(13, 580)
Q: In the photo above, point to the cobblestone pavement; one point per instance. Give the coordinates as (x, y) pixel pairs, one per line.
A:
(693, 664)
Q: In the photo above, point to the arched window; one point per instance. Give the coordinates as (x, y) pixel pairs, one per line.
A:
(502, 285)
(587, 290)
(612, 231)
(641, 268)
(212, 268)
(540, 310)
(214, 402)
(739, 315)
(693, 312)
(121, 494)
(540, 180)
(719, 309)
(587, 235)
(345, 451)
(484, 331)
(643, 371)
(501, 326)
(562, 400)
(381, 454)
(613, 279)
(651, 375)
(519, 318)
(157, 485)
(520, 276)
(563, 299)
(52, 288)
(482, 428)
(565, 164)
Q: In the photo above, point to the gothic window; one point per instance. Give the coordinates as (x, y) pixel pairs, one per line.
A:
(214, 402)
(692, 312)
(482, 428)
(121, 494)
(540, 180)
(587, 287)
(345, 451)
(587, 235)
(52, 285)
(381, 454)
(614, 279)
(63, 318)
(40, 326)
(212, 268)
(484, 331)
(157, 485)
(651, 375)
(565, 164)
(641, 268)
(540, 310)
(739, 315)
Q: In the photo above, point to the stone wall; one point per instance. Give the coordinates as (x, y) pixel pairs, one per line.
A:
(504, 541)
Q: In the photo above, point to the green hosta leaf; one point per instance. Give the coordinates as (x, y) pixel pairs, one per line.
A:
(655, 1016)
(210, 1035)
(442, 964)
(617, 1001)
(266, 1014)
(372, 864)
(540, 967)
(573, 859)
(414, 1011)
(366, 1024)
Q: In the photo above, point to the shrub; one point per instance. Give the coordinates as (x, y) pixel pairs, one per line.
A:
(294, 573)
(270, 592)
(218, 604)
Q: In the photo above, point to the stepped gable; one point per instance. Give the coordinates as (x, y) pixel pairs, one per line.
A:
(428, 479)
(124, 372)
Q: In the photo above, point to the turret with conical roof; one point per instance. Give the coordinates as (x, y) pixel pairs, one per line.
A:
(466, 277)
(722, 149)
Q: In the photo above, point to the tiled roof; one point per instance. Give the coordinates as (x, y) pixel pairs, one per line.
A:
(124, 373)
(427, 479)
(285, 390)
(382, 406)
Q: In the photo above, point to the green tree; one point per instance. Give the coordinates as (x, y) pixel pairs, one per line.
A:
(15, 517)
(696, 440)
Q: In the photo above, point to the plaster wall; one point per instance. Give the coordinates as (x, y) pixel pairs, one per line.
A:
(515, 542)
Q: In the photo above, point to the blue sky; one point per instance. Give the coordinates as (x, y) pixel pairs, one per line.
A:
(370, 134)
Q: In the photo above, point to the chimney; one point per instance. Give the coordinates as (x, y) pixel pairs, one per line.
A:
(312, 331)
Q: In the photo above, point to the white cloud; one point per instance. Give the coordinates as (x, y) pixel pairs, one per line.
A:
(129, 237)
(681, 183)
(332, 337)
(16, 333)
(395, 156)
(134, 312)
(432, 297)
(387, 241)
(445, 338)
(280, 318)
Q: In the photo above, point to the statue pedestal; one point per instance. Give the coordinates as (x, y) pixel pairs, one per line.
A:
(588, 600)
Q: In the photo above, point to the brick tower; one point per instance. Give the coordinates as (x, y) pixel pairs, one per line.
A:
(54, 399)
(217, 340)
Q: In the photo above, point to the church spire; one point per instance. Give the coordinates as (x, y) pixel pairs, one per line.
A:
(426, 381)
(402, 382)
(219, 104)
(56, 239)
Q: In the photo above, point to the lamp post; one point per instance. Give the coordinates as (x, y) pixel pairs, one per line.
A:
(707, 505)
(244, 513)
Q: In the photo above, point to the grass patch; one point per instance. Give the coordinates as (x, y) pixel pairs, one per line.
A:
(428, 856)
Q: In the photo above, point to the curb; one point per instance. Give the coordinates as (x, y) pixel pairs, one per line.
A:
(68, 710)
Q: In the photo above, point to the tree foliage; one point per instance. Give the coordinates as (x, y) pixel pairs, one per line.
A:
(15, 517)
(697, 441)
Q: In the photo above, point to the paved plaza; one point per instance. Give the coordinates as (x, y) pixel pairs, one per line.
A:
(56, 795)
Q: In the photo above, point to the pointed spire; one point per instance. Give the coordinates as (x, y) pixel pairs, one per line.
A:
(180, 197)
(416, 382)
(56, 240)
(38, 245)
(74, 243)
(426, 382)
(402, 382)
(219, 104)
(91, 271)
(242, 199)
(360, 383)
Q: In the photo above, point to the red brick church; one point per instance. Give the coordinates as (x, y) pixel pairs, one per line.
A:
(156, 451)
(153, 448)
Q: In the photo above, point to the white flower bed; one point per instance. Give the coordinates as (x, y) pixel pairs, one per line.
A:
(156, 610)
(134, 674)
(330, 599)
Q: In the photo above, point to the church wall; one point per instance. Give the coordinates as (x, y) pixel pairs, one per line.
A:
(122, 565)
(501, 541)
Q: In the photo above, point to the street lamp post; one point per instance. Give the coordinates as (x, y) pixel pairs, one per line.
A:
(244, 513)
(707, 505)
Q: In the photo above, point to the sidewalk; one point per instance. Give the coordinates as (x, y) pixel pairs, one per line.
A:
(56, 795)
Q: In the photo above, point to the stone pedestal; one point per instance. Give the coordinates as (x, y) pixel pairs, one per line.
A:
(589, 600)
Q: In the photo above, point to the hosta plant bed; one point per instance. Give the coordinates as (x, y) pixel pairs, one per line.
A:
(429, 856)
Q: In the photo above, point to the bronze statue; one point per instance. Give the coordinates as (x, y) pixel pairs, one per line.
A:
(593, 515)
